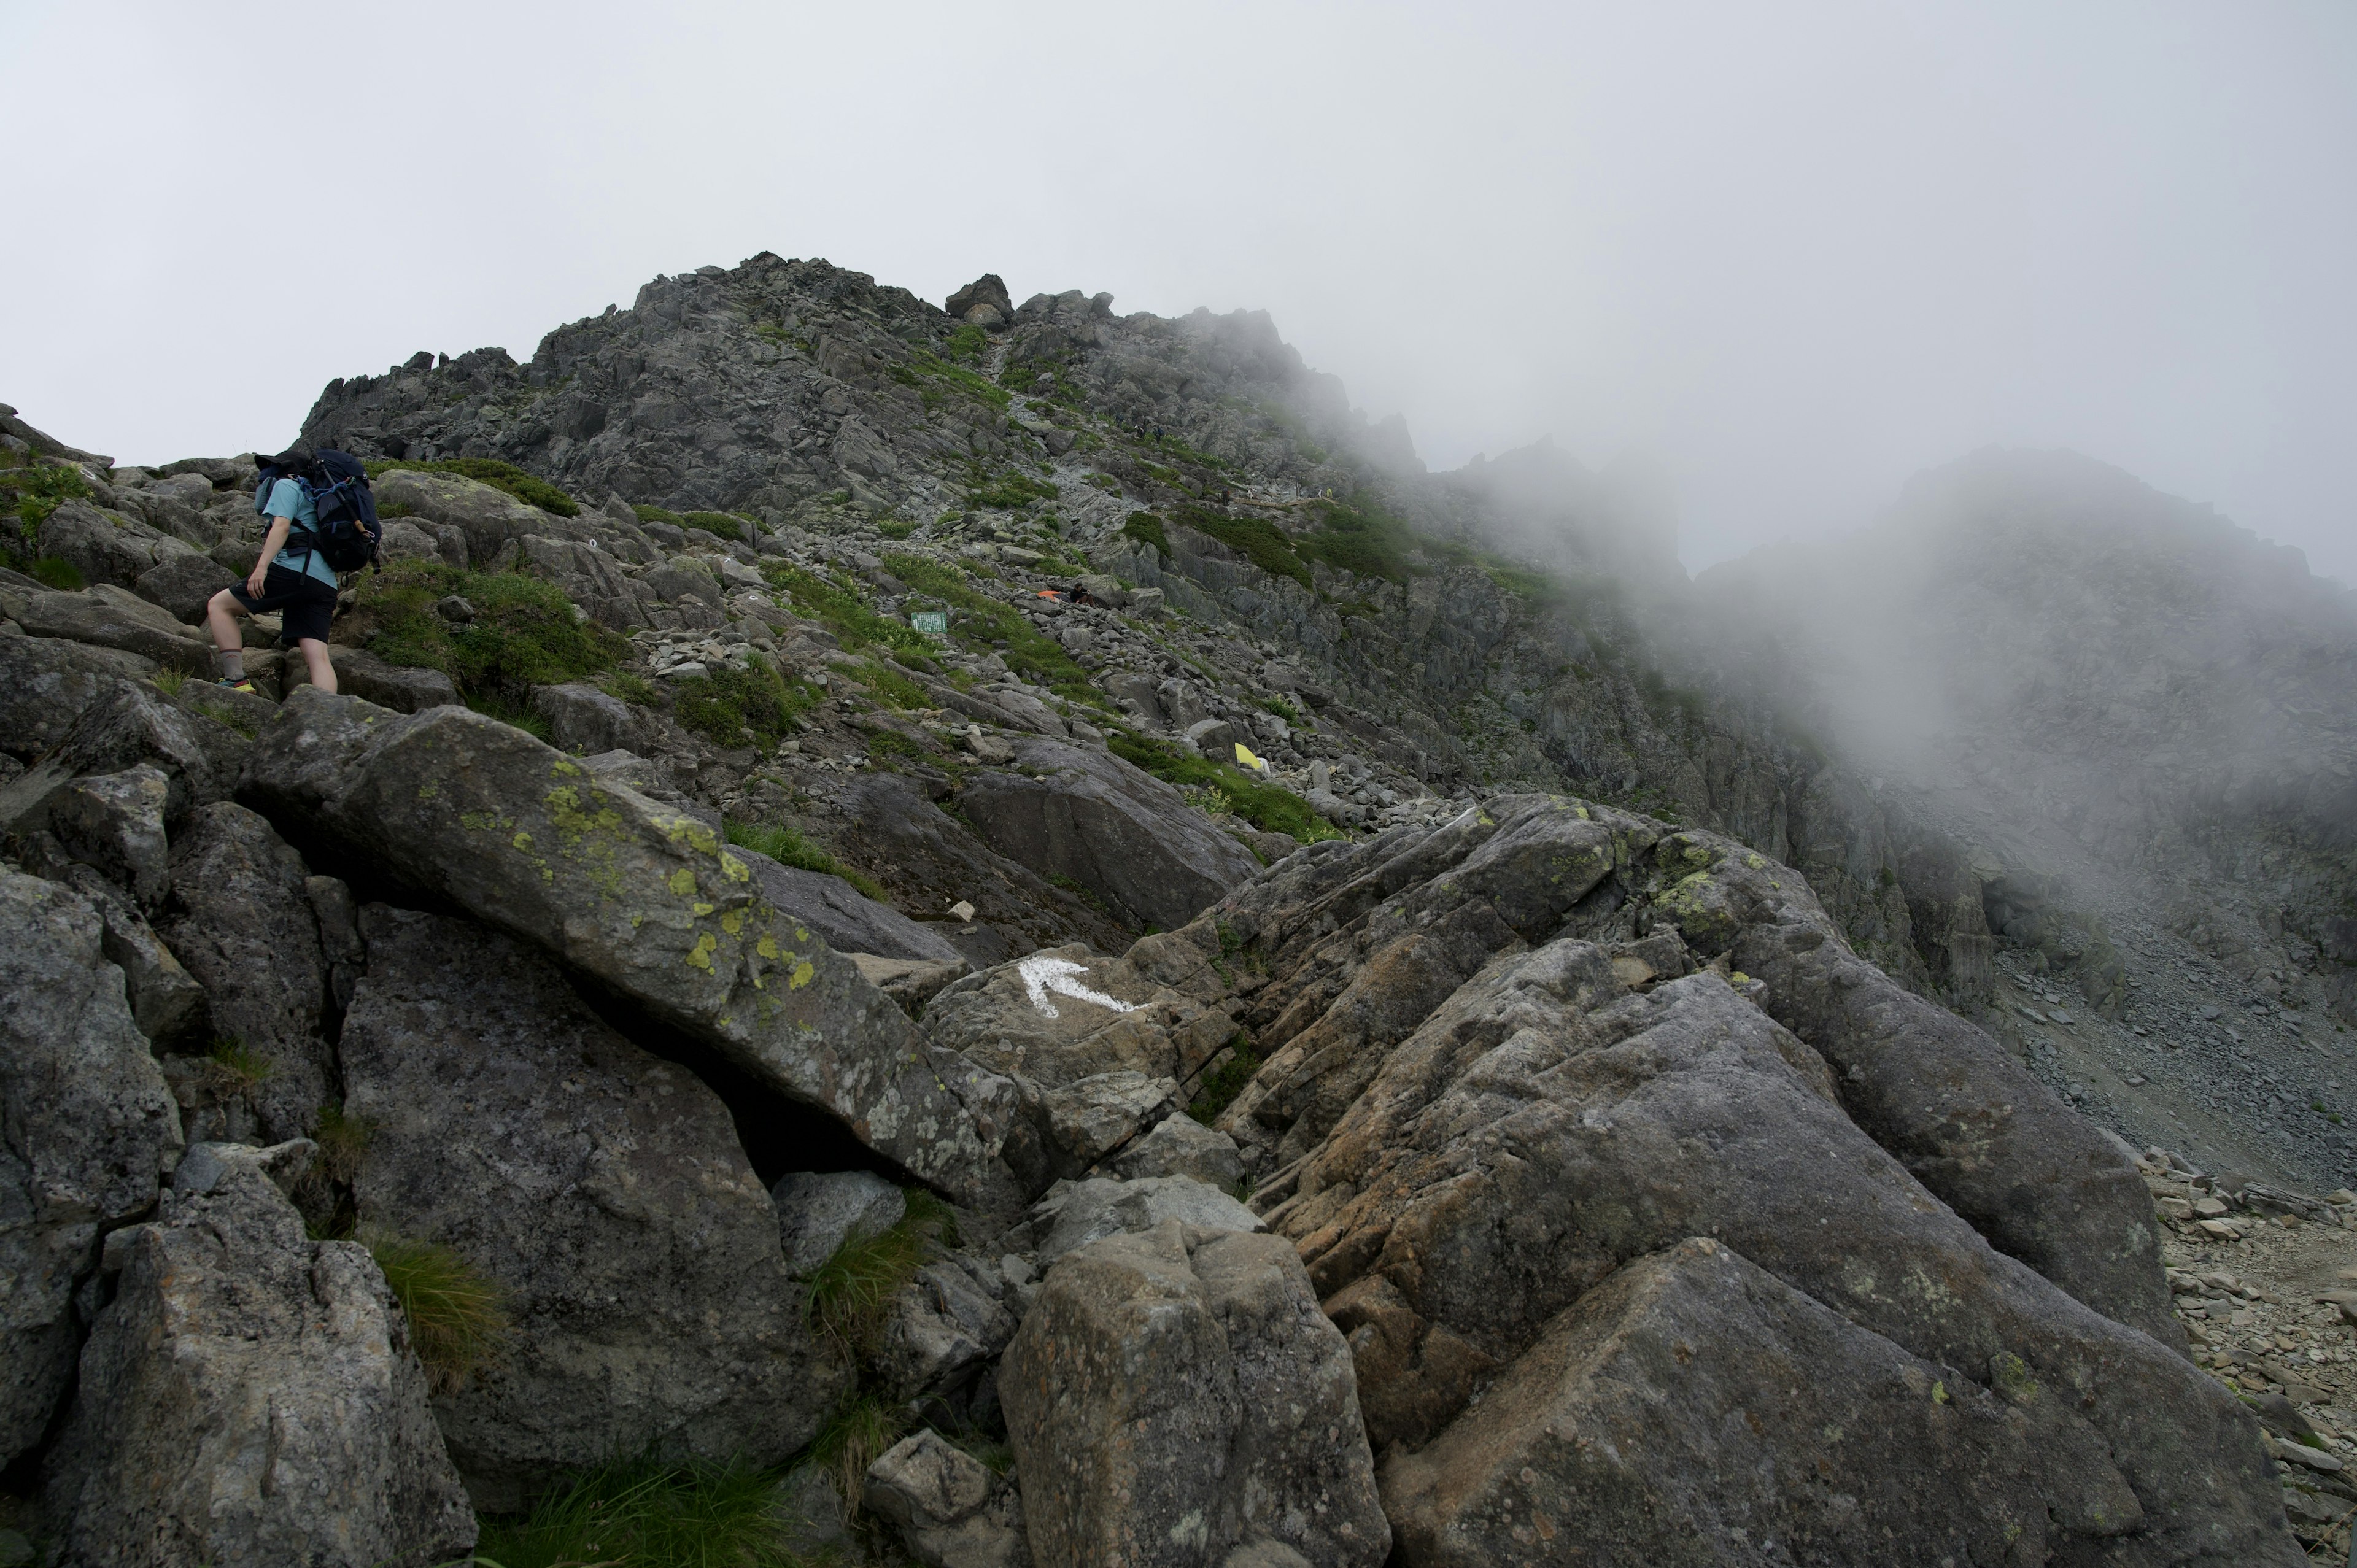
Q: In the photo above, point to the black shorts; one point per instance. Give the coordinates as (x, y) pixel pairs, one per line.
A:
(305, 604)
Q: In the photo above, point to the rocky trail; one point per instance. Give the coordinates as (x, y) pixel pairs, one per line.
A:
(776, 984)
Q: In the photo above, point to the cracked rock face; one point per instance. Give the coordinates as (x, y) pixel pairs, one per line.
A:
(605, 1191)
(86, 1129)
(1667, 1040)
(249, 1396)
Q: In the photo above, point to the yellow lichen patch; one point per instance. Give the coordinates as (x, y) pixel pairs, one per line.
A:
(484, 821)
(699, 837)
(429, 790)
(682, 882)
(564, 769)
(564, 810)
(733, 868)
(521, 841)
(767, 946)
(733, 921)
(700, 955)
(699, 910)
(801, 976)
(800, 935)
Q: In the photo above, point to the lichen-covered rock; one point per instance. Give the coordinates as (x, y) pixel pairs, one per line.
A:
(1181, 1146)
(106, 546)
(86, 1129)
(249, 1397)
(649, 900)
(241, 921)
(1075, 1213)
(165, 998)
(183, 582)
(602, 1188)
(943, 1327)
(124, 727)
(1069, 811)
(1167, 1403)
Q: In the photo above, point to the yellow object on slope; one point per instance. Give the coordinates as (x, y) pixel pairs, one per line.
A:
(1245, 759)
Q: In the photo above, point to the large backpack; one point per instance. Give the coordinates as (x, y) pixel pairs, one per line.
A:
(347, 532)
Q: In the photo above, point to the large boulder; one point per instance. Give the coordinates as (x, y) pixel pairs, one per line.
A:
(489, 518)
(165, 998)
(403, 688)
(649, 900)
(249, 1396)
(93, 617)
(605, 1191)
(114, 822)
(1459, 1164)
(183, 582)
(241, 921)
(86, 1129)
(46, 682)
(1663, 1414)
(1176, 1395)
(847, 919)
(1129, 838)
(126, 725)
(106, 546)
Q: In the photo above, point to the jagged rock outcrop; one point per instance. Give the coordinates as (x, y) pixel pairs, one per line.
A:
(249, 1396)
(47, 681)
(602, 1189)
(87, 1129)
(648, 900)
(1175, 1395)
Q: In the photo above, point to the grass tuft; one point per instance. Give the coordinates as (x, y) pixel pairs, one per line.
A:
(727, 702)
(650, 1513)
(343, 1140)
(457, 1315)
(858, 1432)
(56, 572)
(788, 847)
(852, 1292)
(170, 680)
(240, 1061)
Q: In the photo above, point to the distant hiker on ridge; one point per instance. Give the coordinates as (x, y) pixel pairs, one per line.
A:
(322, 522)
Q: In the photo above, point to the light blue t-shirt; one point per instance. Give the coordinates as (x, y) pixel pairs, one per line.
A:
(286, 500)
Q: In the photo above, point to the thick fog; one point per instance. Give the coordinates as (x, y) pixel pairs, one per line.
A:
(1786, 255)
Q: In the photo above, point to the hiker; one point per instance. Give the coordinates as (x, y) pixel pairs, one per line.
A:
(294, 574)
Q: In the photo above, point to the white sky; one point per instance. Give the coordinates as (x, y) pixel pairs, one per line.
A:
(1791, 251)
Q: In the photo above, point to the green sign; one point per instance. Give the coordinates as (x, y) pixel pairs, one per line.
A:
(933, 623)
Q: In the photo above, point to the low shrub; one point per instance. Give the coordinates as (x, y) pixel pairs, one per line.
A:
(895, 528)
(35, 492)
(525, 632)
(1256, 539)
(1368, 542)
(657, 514)
(843, 610)
(529, 488)
(896, 689)
(788, 847)
(1008, 492)
(457, 1315)
(1268, 807)
(1146, 528)
(727, 525)
(725, 703)
(650, 1513)
(629, 686)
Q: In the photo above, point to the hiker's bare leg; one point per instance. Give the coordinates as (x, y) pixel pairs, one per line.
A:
(220, 617)
(315, 656)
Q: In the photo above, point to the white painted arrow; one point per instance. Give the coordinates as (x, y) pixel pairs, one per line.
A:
(1041, 975)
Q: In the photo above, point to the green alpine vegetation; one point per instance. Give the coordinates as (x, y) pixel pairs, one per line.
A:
(530, 488)
(525, 632)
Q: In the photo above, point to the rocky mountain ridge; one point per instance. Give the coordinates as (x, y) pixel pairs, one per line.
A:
(958, 1093)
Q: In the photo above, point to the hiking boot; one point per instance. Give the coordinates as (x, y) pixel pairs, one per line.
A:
(245, 686)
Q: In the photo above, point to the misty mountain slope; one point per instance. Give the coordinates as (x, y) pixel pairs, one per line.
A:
(1520, 623)
(2137, 718)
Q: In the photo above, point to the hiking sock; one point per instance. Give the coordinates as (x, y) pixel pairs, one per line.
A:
(233, 660)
